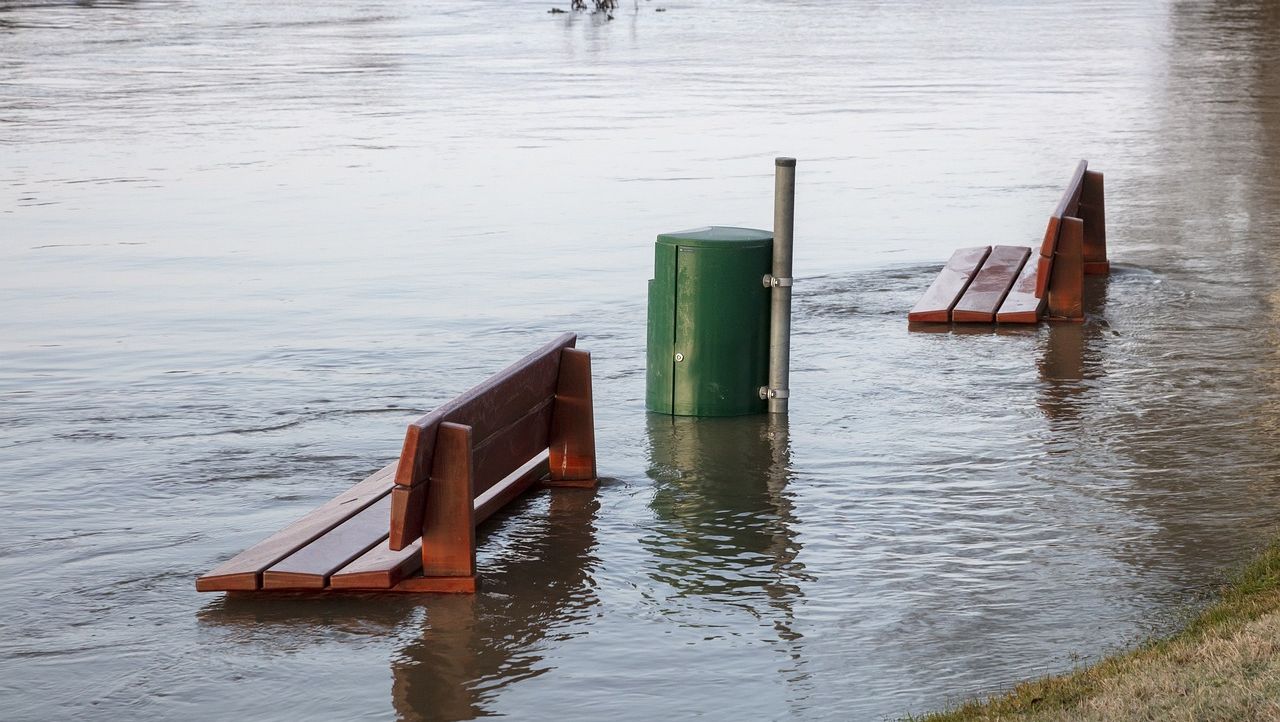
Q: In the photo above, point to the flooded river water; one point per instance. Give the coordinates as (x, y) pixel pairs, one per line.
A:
(243, 243)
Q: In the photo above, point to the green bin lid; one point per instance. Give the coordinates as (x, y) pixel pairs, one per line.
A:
(718, 237)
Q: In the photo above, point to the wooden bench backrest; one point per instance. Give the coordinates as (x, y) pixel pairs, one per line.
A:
(509, 417)
(1068, 207)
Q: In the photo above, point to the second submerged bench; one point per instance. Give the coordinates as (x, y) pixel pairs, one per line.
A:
(410, 527)
(1013, 284)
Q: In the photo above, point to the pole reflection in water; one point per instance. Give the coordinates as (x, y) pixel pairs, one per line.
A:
(474, 646)
(727, 519)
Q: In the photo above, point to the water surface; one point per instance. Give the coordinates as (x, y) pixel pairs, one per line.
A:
(243, 243)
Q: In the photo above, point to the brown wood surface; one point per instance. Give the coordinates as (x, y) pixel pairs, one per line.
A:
(243, 572)
(936, 304)
(310, 566)
(486, 408)
(573, 426)
(1093, 213)
(1021, 305)
(379, 568)
(1066, 290)
(448, 532)
(1044, 263)
(408, 504)
(991, 284)
(1067, 204)
(510, 488)
(437, 585)
(383, 567)
(509, 448)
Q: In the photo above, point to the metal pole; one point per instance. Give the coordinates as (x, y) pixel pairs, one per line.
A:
(784, 216)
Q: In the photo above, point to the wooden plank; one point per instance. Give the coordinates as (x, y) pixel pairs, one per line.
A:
(510, 448)
(1066, 291)
(383, 567)
(1021, 305)
(1067, 204)
(408, 504)
(937, 302)
(510, 488)
(437, 585)
(448, 530)
(991, 284)
(310, 566)
(1093, 213)
(573, 426)
(1044, 264)
(379, 568)
(486, 408)
(243, 572)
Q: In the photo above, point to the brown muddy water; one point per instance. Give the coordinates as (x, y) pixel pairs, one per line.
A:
(243, 243)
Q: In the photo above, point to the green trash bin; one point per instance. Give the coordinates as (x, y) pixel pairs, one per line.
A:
(708, 350)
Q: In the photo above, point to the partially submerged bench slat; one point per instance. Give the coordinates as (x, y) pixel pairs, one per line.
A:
(379, 568)
(310, 566)
(513, 446)
(486, 407)
(1068, 205)
(990, 286)
(1021, 305)
(506, 490)
(383, 568)
(950, 284)
(243, 572)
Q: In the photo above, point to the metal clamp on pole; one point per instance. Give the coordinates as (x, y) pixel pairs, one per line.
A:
(784, 215)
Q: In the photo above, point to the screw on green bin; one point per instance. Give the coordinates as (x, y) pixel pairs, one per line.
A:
(708, 345)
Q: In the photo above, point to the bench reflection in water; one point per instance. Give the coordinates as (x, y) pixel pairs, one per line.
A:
(537, 581)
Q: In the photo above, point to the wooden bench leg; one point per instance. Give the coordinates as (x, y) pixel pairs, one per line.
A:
(1066, 283)
(1093, 213)
(573, 426)
(449, 529)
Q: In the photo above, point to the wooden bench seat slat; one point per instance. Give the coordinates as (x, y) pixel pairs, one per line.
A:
(379, 568)
(1022, 305)
(243, 572)
(937, 302)
(383, 568)
(310, 566)
(990, 286)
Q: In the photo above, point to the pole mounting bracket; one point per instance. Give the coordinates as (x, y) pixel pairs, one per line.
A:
(768, 393)
(771, 281)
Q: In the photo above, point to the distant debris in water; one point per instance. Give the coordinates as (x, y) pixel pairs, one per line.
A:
(601, 6)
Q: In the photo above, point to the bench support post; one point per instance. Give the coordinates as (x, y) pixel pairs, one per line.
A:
(1094, 215)
(573, 431)
(1066, 285)
(449, 529)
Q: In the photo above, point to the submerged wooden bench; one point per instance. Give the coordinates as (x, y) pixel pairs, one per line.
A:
(1011, 284)
(410, 527)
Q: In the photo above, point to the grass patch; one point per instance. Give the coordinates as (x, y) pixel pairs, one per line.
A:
(1225, 664)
